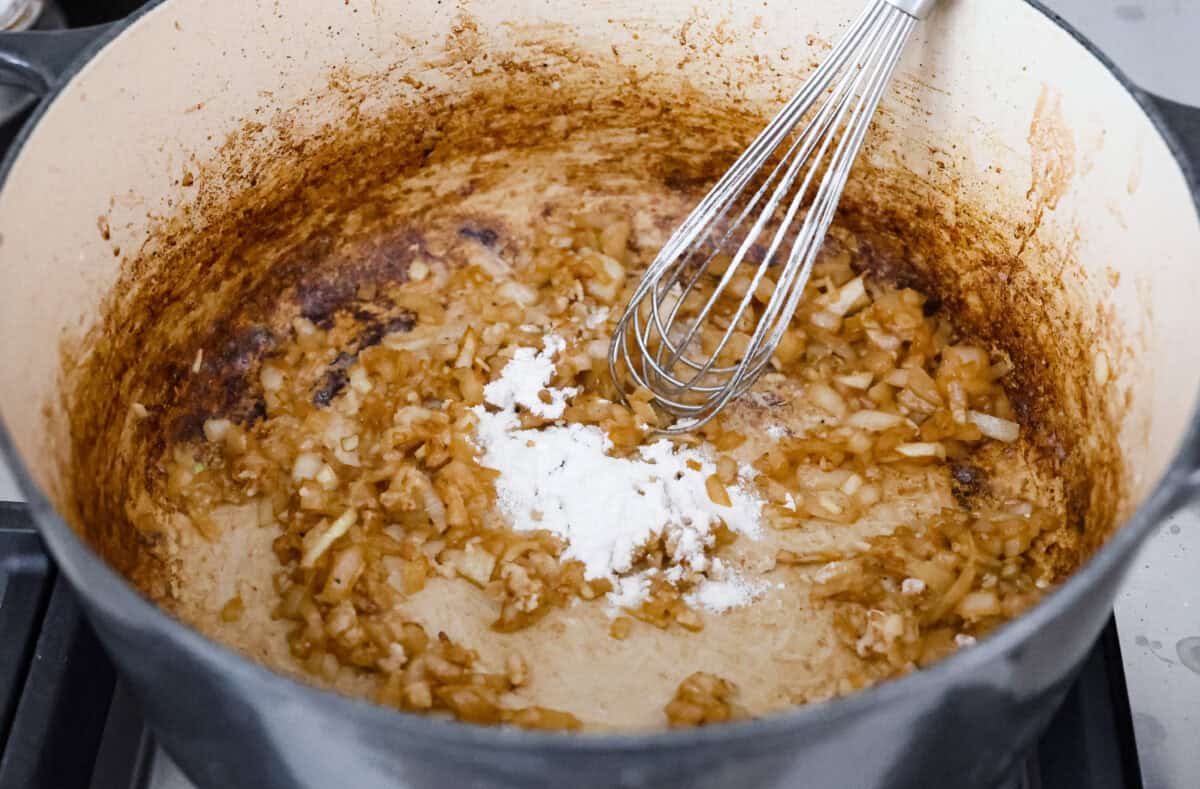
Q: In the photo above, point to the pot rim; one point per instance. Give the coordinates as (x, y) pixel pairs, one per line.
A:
(111, 593)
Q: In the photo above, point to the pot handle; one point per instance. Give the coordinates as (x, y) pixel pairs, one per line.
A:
(35, 59)
(1184, 123)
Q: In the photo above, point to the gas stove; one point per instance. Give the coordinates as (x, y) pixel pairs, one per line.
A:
(67, 721)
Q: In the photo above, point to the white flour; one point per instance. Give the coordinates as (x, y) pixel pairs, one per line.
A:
(725, 588)
(561, 478)
(525, 377)
(733, 591)
(629, 591)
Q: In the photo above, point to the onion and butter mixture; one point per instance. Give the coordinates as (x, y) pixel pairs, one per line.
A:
(458, 517)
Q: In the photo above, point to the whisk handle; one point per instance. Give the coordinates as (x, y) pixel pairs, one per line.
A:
(914, 8)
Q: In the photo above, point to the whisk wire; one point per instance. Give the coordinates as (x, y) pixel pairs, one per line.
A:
(713, 208)
(658, 349)
(794, 162)
(823, 120)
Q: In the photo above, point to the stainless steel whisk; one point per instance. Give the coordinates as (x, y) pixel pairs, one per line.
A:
(659, 346)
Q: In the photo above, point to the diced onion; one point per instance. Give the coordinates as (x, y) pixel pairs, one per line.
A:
(848, 296)
(327, 477)
(359, 380)
(418, 270)
(922, 450)
(887, 342)
(827, 399)
(875, 421)
(826, 320)
(215, 429)
(466, 350)
(517, 293)
(607, 279)
(995, 427)
(434, 508)
(860, 381)
(473, 563)
(317, 544)
(306, 466)
(271, 378)
(978, 605)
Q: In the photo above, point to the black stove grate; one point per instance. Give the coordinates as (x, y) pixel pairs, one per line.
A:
(68, 722)
(1090, 743)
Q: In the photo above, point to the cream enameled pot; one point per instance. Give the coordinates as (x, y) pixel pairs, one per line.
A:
(1029, 117)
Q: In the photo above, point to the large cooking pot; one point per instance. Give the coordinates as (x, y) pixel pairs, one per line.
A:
(1026, 124)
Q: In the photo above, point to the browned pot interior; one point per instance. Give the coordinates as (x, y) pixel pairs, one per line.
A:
(327, 228)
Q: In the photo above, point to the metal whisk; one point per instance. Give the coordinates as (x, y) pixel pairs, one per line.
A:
(686, 301)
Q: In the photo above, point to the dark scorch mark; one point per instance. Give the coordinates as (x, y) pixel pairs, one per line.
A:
(484, 235)
(374, 329)
(334, 380)
(967, 482)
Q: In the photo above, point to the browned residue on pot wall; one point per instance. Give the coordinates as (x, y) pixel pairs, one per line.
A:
(314, 226)
(1051, 156)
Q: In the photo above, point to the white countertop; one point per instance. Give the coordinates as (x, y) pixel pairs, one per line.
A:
(1158, 611)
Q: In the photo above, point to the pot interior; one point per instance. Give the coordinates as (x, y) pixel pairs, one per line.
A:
(158, 243)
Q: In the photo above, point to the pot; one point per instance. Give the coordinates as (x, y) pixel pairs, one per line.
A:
(1001, 115)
